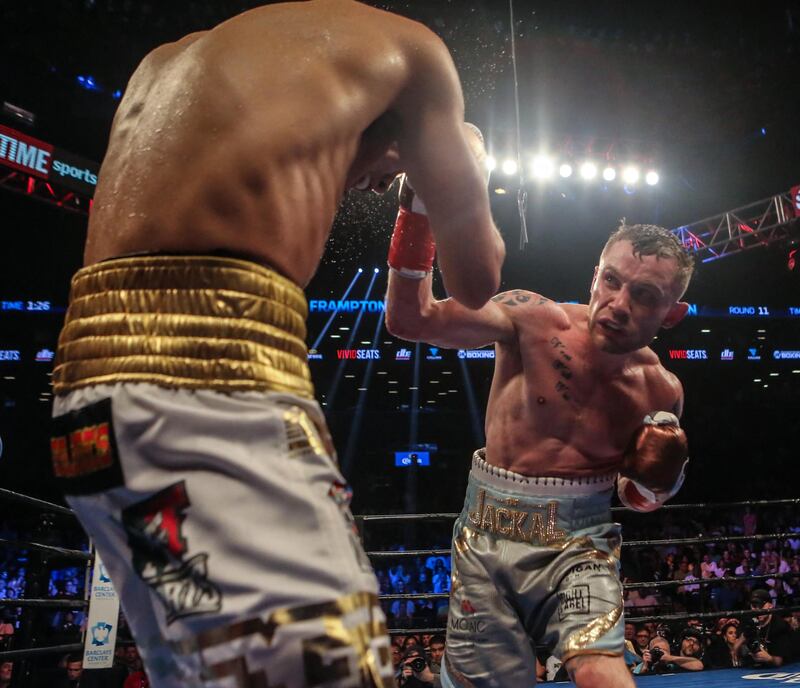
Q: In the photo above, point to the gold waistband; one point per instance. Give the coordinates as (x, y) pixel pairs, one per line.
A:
(198, 322)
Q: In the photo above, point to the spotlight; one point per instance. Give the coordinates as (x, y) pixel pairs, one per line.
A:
(490, 162)
(630, 175)
(651, 178)
(88, 83)
(361, 269)
(565, 170)
(588, 170)
(376, 271)
(609, 174)
(543, 167)
(509, 166)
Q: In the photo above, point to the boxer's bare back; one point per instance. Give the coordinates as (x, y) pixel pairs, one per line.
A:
(244, 138)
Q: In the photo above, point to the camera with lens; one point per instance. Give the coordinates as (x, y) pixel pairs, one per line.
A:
(656, 654)
(417, 664)
(751, 636)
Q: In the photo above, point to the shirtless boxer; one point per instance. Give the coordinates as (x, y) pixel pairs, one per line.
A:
(535, 554)
(186, 436)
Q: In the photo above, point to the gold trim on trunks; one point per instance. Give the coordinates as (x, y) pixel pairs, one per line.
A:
(592, 632)
(334, 631)
(196, 322)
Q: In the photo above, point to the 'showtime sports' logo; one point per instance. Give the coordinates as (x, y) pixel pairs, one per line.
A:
(155, 535)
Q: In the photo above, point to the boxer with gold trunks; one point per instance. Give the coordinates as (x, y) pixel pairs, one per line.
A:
(186, 435)
(578, 401)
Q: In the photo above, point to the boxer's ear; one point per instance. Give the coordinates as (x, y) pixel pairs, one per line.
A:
(594, 278)
(675, 314)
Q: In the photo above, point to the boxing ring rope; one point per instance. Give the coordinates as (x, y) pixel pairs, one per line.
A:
(12, 496)
(50, 551)
(377, 518)
(43, 554)
(626, 586)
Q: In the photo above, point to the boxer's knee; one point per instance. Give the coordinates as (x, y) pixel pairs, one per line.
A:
(599, 671)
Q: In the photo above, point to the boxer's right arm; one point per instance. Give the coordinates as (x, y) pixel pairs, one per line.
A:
(438, 157)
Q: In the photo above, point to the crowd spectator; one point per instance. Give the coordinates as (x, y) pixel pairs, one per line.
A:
(727, 649)
(6, 674)
(415, 671)
(773, 641)
(658, 658)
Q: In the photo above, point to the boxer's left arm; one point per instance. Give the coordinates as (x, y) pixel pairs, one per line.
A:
(654, 464)
(439, 157)
(413, 314)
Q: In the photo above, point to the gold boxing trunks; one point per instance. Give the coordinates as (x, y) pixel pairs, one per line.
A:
(191, 322)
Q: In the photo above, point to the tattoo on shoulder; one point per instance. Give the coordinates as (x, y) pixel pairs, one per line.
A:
(516, 297)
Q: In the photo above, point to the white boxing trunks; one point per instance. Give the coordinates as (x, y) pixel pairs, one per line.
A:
(187, 440)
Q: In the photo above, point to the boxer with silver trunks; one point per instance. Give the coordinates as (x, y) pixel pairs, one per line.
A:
(578, 401)
(186, 435)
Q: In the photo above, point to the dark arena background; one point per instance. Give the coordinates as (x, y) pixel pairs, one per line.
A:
(705, 96)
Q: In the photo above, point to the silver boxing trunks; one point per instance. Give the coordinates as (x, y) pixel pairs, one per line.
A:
(535, 561)
(187, 441)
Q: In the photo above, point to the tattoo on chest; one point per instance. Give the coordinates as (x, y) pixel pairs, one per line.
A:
(516, 297)
(560, 364)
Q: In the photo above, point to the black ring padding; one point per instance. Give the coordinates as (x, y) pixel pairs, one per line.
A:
(672, 507)
(632, 543)
(626, 586)
(47, 549)
(708, 581)
(707, 540)
(416, 596)
(38, 503)
(730, 614)
(406, 517)
(413, 631)
(32, 602)
(411, 553)
(36, 651)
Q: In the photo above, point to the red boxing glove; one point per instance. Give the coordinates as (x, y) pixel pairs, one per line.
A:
(412, 248)
(654, 466)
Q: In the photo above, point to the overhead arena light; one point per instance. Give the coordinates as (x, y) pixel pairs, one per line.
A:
(565, 170)
(491, 163)
(630, 175)
(652, 178)
(609, 174)
(588, 170)
(509, 166)
(543, 167)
